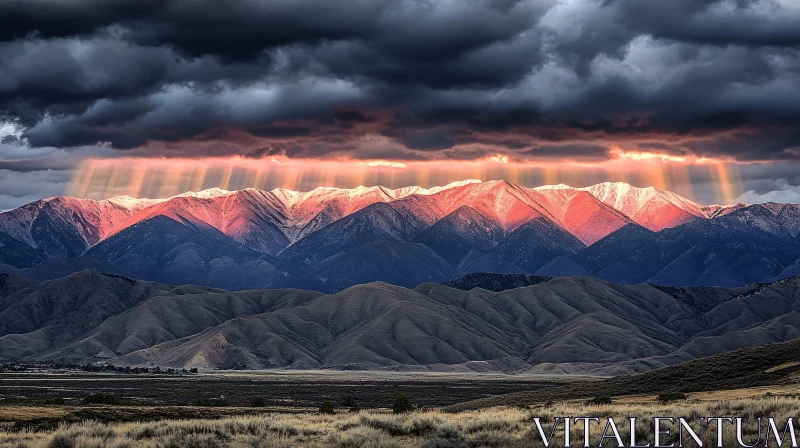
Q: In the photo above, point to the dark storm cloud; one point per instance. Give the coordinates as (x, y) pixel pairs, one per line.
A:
(244, 28)
(765, 144)
(426, 140)
(19, 188)
(10, 140)
(348, 116)
(65, 76)
(738, 22)
(303, 77)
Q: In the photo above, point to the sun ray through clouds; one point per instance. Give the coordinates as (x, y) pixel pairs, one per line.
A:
(162, 177)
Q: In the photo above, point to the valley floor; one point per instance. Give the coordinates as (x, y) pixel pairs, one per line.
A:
(494, 427)
(26, 399)
(264, 409)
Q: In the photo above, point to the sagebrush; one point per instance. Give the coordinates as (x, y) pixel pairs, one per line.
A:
(496, 427)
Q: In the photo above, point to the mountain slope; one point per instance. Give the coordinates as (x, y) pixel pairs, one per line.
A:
(10, 284)
(463, 231)
(766, 365)
(323, 206)
(377, 222)
(251, 217)
(16, 254)
(282, 238)
(369, 325)
(174, 314)
(580, 213)
(528, 248)
(63, 227)
(543, 325)
(649, 207)
(163, 249)
(48, 314)
(495, 282)
(726, 251)
(395, 262)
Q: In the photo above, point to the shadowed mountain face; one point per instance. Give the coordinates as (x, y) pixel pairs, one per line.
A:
(538, 325)
(329, 239)
(732, 250)
(495, 282)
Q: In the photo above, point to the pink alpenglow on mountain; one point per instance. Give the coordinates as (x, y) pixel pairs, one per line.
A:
(271, 220)
(649, 207)
(582, 214)
(332, 238)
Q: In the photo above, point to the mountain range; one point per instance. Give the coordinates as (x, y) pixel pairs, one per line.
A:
(525, 324)
(329, 239)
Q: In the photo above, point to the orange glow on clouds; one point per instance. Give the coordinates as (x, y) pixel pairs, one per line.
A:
(663, 157)
(388, 163)
(497, 158)
(162, 177)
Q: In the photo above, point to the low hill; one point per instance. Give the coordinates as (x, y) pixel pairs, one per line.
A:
(767, 365)
(559, 325)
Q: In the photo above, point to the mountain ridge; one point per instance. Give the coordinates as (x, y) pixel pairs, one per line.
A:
(527, 324)
(283, 238)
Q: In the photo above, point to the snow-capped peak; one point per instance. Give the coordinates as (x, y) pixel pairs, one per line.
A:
(206, 194)
(554, 187)
(292, 196)
(131, 203)
(588, 213)
(717, 210)
(650, 207)
(620, 192)
(456, 184)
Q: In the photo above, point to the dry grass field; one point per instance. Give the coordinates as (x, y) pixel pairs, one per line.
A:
(495, 427)
(452, 411)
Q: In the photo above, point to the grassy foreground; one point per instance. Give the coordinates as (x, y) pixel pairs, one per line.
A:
(495, 427)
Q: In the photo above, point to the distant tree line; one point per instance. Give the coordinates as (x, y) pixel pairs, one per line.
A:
(94, 368)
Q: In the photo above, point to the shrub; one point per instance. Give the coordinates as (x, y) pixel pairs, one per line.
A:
(494, 424)
(54, 400)
(101, 398)
(326, 408)
(392, 425)
(61, 441)
(402, 404)
(257, 402)
(190, 441)
(491, 439)
(424, 426)
(600, 400)
(350, 403)
(666, 397)
(141, 432)
(447, 436)
(364, 437)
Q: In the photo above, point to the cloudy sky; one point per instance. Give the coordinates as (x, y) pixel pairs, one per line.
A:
(708, 92)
